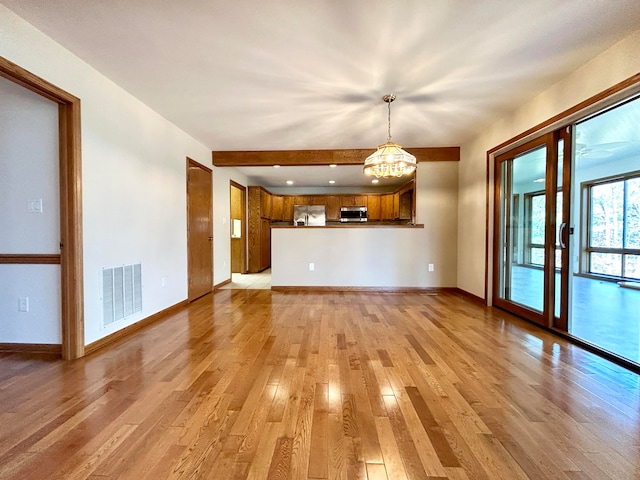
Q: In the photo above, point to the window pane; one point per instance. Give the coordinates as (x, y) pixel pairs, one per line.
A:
(606, 263)
(537, 256)
(537, 219)
(632, 239)
(632, 266)
(607, 209)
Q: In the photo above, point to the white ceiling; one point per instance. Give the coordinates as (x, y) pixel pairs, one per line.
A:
(290, 74)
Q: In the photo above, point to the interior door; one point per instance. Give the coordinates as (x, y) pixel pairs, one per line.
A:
(238, 205)
(199, 230)
(526, 195)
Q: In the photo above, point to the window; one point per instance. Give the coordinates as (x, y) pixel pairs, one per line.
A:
(536, 228)
(535, 218)
(614, 227)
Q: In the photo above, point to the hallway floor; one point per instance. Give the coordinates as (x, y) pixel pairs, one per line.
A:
(259, 281)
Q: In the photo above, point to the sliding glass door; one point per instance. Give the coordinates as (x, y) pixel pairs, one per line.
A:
(523, 261)
(567, 230)
(604, 271)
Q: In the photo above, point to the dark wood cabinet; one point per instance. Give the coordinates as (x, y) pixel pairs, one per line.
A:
(259, 234)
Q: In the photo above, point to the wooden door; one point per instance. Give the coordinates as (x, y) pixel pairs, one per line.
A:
(199, 230)
(238, 199)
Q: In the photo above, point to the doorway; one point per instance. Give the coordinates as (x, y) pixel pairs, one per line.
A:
(238, 208)
(70, 179)
(567, 230)
(199, 230)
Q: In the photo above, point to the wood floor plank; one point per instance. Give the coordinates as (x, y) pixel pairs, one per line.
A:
(340, 385)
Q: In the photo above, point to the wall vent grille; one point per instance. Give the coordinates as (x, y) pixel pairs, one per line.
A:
(121, 292)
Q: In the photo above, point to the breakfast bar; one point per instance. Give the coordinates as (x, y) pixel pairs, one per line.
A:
(351, 256)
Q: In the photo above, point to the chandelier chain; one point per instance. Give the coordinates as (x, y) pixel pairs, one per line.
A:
(389, 122)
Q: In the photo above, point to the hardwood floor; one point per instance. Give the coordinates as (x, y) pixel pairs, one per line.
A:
(259, 384)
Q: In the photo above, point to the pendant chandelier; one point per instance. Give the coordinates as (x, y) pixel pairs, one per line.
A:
(389, 160)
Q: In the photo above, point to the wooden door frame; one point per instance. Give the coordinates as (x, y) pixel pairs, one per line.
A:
(192, 163)
(243, 222)
(70, 160)
(546, 140)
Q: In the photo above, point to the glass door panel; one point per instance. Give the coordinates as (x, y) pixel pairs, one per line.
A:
(603, 272)
(521, 230)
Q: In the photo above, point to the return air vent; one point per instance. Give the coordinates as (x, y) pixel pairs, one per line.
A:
(121, 292)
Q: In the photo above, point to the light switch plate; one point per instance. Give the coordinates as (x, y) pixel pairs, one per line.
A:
(34, 205)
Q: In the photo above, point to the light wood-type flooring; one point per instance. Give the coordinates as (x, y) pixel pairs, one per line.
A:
(260, 384)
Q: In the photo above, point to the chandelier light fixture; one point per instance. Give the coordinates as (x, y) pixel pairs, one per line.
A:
(389, 160)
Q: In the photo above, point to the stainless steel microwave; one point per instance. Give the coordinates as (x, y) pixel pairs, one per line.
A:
(353, 214)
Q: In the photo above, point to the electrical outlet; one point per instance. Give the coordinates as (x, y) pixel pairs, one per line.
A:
(23, 304)
(431, 267)
(164, 281)
(312, 267)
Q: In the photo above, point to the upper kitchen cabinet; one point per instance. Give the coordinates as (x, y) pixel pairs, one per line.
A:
(277, 208)
(287, 208)
(373, 207)
(386, 206)
(259, 232)
(265, 203)
(334, 202)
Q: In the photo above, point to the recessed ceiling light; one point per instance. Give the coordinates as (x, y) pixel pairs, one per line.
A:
(333, 165)
(332, 181)
(375, 180)
(289, 182)
(539, 180)
(276, 166)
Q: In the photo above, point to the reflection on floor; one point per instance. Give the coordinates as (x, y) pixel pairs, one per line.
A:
(602, 313)
(258, 281)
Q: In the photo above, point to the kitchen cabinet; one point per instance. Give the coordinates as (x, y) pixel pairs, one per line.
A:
(287, 208)
(386, 206)
(319, 200)
(359, 200)
(373, 207)
(265, 244)
(265, 204)
(277, 208)
(396, 206)
(259, 231)
(334, 202)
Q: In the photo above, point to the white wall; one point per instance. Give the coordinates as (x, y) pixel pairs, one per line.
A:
(376, 256)
(133, 176)
(29, 171)
(609, 68)
(221, 224)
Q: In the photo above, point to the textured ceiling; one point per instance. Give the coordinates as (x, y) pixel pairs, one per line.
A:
(293, 74)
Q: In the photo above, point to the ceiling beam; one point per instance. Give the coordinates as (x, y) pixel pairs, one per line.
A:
(322, 157)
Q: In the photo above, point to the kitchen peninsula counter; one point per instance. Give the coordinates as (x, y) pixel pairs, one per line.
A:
(351, 225)
(352, 256)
